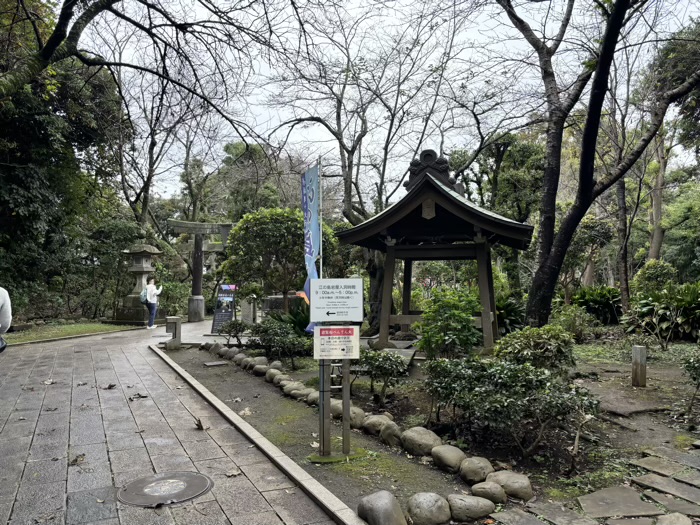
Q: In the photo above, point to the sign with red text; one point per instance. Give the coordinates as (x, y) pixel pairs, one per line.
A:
(336, 342)
(336, 300)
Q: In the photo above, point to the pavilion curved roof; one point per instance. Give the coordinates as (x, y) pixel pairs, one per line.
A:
(434, 213)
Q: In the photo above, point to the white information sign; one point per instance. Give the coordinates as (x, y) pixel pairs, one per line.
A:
(336, 342)
(334, 300)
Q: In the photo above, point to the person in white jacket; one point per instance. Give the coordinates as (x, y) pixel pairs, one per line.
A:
(5, 314)
(152, 296)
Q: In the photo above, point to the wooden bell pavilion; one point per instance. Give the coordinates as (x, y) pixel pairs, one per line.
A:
(434, 221)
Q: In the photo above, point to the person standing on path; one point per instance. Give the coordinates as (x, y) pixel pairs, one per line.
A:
(5, 316)
(152, 296)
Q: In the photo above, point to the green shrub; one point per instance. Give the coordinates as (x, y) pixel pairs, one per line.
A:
(447, 326)
(501, 399)
(691, 366)
(510, 312)
(575, 320)
(549, 347)
(667, 315)
(602, 302)
(279, 340)
(384, 366)
(233, 330)
(654, 276)
(298, 317)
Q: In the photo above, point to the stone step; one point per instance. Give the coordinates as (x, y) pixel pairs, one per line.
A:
(669, 486)
(672, 504)
(558, 514)
(696, 444)
(659, 465)
(630, 521)
(616, 502)
(516, 517)
(689, 476)
(690, 460)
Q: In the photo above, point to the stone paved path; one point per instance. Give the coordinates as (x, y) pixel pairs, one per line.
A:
(68, 439)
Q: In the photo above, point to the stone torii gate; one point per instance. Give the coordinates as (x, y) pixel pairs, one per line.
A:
(195, 303)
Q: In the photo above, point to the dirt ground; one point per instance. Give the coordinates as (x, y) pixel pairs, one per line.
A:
(631, 420)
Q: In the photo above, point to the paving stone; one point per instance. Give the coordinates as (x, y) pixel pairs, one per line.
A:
(228, 436)
(125, 460)
(38, 500)
(670, 486)
(630, 521)
(689, 476)
(122, 478)
(139, 516)
(167, 462)
(48, 451)
(45, 471)
(516, 517)
(199, 450)
(238, 496)
(5, 509)
(218, 469)
(91, 505)
(207, 513)
(264, 518)
(191, 433)
(659, 465)
(616, 501)
(673, 504)
(266, 476)
(120, 425)
(293, 506)
(124, 441)
(558, 514)
(245, 454)
(47, 518)
(691, 460)
(165, 445)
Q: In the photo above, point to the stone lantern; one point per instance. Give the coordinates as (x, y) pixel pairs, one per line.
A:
(132, 311)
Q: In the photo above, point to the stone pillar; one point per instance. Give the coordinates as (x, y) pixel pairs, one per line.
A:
(407, 277)
(132, 311)
(195, 304)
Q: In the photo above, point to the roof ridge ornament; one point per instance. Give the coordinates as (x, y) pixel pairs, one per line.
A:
(429, 162)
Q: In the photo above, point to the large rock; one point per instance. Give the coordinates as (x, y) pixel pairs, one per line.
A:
(420, 441)
(465, 508)
(427, 508)
(282, 377)
(515, 485)
(271, 374)
(475, 470)
(215, 348)
(357, 417)
(260, 370)
(447, 457)
(381, 508)
(373, 424)
(491, 491)
(238, 358)
(291, 387)
(277, 364)
(260, 361)
(675, 518)
(390, 434)
(301, 394)
(245, 362)
(312, 398)
(336, 408)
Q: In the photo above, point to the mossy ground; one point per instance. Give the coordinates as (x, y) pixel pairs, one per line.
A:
(53, 331)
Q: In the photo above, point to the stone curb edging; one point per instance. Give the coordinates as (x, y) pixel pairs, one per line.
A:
(338, 511)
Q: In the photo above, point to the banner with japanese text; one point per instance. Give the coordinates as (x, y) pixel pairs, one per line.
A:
(310, 197)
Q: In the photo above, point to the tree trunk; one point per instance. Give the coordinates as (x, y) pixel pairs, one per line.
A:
(622, 238)
(588, 277)
(657, 232)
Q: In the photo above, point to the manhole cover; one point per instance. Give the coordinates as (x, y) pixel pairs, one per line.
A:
(164, 489)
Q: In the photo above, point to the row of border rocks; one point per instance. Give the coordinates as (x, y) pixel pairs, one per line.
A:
(424, 508)
(485, 482)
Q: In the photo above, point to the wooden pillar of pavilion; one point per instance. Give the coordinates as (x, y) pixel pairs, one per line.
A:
(489, 325)
(406, 291)
(385, 312)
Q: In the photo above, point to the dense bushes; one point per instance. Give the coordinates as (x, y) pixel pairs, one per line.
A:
(510, 313)
(668, 314)
(384, 366)
(654, 276)
(549, 348)
(447, 326)
(504, 400)
(574, 319)
(279, 340)
(602, 302)
(233, 330)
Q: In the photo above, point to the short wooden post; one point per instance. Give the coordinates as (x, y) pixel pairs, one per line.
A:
(639, 366)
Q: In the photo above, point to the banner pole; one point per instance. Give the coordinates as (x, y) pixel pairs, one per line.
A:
(320, 220)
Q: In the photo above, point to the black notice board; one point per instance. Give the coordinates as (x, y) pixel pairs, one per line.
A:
(225, 306)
